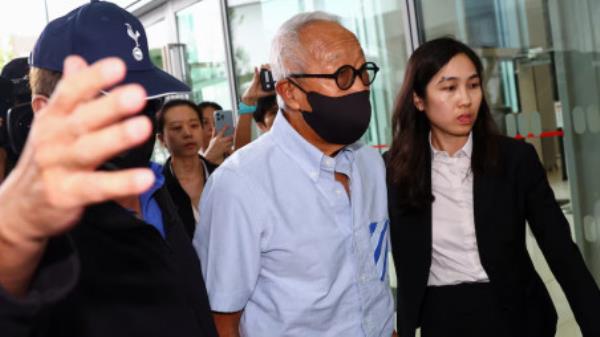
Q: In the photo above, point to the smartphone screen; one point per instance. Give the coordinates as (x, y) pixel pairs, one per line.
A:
(224, 118)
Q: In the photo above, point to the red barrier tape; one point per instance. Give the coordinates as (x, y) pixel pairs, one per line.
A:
(545, 134)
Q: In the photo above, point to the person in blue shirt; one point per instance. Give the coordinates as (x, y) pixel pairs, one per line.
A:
(293, 230)
(90, 241)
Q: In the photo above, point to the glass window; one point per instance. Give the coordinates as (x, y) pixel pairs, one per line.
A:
(377, 24)
(156, 34)
(578, 78)
(20, 23)
(200, 28)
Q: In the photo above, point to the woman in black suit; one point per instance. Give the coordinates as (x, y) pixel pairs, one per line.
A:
(459, 197)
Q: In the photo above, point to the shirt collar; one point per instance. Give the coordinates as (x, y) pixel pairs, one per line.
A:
(310, 159)
(466, 150)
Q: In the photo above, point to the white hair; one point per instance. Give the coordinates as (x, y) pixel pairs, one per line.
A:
(287, 53)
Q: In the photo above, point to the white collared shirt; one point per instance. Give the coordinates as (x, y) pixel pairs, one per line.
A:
(455, 255)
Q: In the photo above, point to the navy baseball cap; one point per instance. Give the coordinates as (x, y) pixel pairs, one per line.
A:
(102, 29)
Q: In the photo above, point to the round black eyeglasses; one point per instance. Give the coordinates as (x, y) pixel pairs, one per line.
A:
(346, 75)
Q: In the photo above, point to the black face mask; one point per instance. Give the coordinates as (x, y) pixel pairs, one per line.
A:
(338, 120)
(19, 121)
(138, 156)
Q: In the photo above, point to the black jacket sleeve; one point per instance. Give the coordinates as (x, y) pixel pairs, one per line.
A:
(55, 278)
(553, 235)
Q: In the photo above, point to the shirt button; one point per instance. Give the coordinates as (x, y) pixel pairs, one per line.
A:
(314, 175)
(329, 162)
(338, 192)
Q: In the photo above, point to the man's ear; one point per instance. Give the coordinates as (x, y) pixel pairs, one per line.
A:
(418, 102)
(288, 93)
(38, 102)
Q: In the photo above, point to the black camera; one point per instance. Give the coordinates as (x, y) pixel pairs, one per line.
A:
(18, 122)
(266, 80)
(6, 100)
(16, 113)
(15, 105)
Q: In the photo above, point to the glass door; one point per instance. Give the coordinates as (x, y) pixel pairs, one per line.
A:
(200, 29)
(377, 24)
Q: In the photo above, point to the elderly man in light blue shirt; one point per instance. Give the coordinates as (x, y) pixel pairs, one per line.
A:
(293, 231)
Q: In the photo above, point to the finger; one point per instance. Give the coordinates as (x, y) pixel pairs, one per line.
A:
(227, 142)
(97, 186)
(73, 64)
(255, 79)
(221, 133)
(81, 84)
(109, 142)
(92, 149)
(118, 104)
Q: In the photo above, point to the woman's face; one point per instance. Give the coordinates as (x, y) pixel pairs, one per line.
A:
(453, 97)
(182, 133)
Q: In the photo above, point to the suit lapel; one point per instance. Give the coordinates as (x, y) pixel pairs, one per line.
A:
(427, 217)
(483, 200)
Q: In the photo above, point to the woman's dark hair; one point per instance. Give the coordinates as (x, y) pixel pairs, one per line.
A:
(160, 116)
(263, 106)
(208, 104)
(409, 157)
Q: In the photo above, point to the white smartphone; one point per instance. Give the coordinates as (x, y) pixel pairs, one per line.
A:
(224, 118)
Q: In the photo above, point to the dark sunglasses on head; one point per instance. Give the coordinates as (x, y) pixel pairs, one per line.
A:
(346, 75)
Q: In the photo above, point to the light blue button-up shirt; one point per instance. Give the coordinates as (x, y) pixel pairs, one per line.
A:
(280, 239)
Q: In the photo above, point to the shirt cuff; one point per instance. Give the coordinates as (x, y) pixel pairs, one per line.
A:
(227, 302)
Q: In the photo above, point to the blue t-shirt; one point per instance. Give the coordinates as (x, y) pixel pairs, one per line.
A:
(150, 210)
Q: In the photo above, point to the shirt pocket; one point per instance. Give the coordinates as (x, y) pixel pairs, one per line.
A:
(379, 247)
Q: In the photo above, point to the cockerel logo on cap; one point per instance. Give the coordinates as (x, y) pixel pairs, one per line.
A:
(137, 53)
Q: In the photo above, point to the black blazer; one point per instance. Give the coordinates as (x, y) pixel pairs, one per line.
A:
(503, 202)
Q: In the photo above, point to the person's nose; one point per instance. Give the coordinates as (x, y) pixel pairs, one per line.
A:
(465, 98)
(187, 131)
